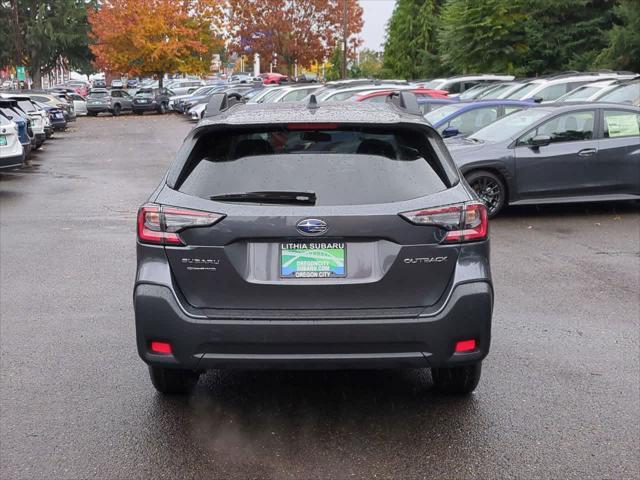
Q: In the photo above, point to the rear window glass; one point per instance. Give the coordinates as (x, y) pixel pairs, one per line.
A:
(98, 94)
(144, 94)
(341, 166)
(26, 105)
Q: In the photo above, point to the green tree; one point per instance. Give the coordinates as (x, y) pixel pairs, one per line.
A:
(483, 36)
(369, 64)
(410, 50)
(623, 51)
(565, 34)
(44, 31)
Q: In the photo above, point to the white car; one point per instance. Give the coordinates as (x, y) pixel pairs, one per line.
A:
(196, 113)
(456, 85)
(590, 92)
(79, 104)
(294, 93)
(551, 88)
(36, 114)
(11, 151)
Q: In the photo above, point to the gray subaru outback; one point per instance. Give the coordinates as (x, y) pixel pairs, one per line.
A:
(326, 236)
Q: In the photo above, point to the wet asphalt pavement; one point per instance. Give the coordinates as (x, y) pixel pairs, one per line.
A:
(559, 397)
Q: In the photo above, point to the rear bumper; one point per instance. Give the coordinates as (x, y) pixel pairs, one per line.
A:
(426, 340)
(147, 107)
(96, 109)
(11, 162)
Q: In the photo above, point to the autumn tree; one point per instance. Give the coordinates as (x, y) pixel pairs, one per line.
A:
(287, 32)
(154, 37)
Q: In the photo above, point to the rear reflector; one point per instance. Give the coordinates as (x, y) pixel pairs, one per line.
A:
(464, 222)
(163, 348)
(160, 225)
(465, 346)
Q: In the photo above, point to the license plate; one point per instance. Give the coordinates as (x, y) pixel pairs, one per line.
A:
(313, 259)
(3, 140)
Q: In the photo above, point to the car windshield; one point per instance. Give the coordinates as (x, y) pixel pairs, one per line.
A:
(509, 126)
(582, 93)
(342, 166)
(436, 116)
(98, 94)
(495, 91)
(523, 92)
(623, 94)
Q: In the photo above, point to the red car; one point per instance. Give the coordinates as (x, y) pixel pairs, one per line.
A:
(271, 78)
(380, 95)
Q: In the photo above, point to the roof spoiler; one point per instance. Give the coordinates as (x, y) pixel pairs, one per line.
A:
(406, 101)
(220, 102)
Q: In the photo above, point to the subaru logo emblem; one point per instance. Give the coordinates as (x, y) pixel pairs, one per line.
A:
(312, 226)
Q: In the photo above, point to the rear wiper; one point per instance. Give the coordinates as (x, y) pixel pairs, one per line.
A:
(303, 198)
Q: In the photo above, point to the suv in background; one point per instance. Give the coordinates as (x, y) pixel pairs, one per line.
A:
(183, 87)
(151, 100)
(456, 85)
(115, 102)
(312, 261)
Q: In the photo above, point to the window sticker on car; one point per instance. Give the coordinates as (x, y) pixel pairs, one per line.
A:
(622, 125)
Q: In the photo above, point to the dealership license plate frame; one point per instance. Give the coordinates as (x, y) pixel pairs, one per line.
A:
(334, 272)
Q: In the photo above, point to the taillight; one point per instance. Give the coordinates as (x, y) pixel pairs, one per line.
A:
(464, 222)
(161, 225)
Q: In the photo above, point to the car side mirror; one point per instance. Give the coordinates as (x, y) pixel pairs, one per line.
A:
(540, 141)
(537, 99)
(450, 132)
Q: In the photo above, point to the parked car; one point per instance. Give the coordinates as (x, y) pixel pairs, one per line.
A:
(553, 87)
(458, 84)
(627, 92)
(67, 103)
(465, 118)
(554, 153)
(273, 78)
(10, 110)
(35, 114)
(268, 92)
(151, 100)
(316, 262)
(99, 84)
(379, 96)
(294, 92)
(133, 83)
(182, 103)
(183, 86)
(79, 104)
(500, 90)
(76, 86)
(117, 83)
(589, 92)
(56, 117)
(102, 100)
(12, 153)
(346, 93)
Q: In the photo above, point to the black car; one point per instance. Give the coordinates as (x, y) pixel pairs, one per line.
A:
(297, 235)
(151, 100)
(56, 117)
(555, 153)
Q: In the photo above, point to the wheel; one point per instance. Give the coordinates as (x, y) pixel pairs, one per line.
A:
(173, 380)
(490, 188)
(163, 109)
(457, 380)
(116, 110)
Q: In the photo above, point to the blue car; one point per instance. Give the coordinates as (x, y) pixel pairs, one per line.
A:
(466, 118)
(10, 110)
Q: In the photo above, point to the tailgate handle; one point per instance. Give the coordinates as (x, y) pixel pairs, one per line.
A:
(587, 152)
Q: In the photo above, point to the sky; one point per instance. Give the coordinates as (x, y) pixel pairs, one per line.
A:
(376, 14)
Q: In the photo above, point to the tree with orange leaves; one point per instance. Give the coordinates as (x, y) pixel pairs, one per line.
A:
(154, 37)
(293, 31)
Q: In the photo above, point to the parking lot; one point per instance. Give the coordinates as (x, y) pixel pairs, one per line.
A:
(559, 397)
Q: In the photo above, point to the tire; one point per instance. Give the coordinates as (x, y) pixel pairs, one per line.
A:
(172, 380)
(457, 380)
(490, 188)
(163, 109)
(116, 110)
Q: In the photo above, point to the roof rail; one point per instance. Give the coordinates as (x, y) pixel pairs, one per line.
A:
(406, 101)
(219, 102)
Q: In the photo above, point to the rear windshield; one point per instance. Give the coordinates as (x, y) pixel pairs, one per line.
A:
(144, 94)
(26, 105)
(341, 166)
(98, 94)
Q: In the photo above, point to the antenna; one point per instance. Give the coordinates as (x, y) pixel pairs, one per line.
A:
(313, 102)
